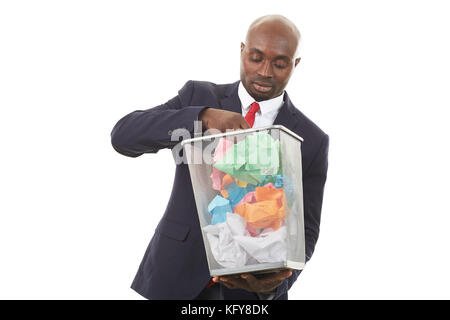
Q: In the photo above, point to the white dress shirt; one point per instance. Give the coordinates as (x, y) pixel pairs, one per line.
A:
(268, 109)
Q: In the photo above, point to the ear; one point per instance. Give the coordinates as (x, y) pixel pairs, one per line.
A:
(242, 46)
(297, 61)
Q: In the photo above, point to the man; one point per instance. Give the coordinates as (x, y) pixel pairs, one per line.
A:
(174, 265)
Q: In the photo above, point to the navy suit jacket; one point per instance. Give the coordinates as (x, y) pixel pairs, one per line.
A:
(174, 265)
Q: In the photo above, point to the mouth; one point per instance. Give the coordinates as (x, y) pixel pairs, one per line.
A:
(262, 87)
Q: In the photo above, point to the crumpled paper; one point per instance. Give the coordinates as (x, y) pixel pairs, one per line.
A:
(268, 211)
(227, 252)
(269, 246)
(250, 182)
(233, 247)
(235, 193)
(251, 159)
(223, 147)
(217, 177)
(218, 209)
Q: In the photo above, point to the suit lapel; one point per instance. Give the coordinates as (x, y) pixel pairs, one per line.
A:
(231, 101)
(286, 116)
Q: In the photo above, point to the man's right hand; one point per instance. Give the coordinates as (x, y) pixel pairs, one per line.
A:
(222, 120)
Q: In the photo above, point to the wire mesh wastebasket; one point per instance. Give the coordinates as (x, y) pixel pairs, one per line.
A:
(249, 195)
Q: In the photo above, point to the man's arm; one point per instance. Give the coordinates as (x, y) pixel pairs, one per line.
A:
(313, 186)
(148, 131)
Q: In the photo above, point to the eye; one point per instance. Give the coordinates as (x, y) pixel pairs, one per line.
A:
(280, 65)
(255, 58)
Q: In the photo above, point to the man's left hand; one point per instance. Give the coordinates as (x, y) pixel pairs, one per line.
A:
(249, 282)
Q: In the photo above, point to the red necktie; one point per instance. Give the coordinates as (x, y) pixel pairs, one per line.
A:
(250, 116)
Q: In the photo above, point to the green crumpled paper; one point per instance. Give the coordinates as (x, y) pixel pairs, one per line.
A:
(252, 158)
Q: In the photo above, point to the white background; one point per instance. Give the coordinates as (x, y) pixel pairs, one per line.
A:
(76, 217)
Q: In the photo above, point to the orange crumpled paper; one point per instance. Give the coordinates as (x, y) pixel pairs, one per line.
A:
(268, 211)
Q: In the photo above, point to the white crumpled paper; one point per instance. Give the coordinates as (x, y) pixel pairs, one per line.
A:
(232, 245)
(227, 252)
(269, 246)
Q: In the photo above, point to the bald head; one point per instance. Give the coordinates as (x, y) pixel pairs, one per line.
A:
(268, 56)
(277, 24)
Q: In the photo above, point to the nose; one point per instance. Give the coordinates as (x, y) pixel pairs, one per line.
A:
(265, 69)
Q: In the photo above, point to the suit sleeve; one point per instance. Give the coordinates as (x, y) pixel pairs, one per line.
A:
(148, 131)
(313, 188)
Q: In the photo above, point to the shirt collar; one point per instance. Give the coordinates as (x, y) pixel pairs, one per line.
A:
(264, 106)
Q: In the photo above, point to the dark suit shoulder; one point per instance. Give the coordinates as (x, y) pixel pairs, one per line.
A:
(315, 139)
(307, 123)
(210, 86)
(302, 123)
(205, 91)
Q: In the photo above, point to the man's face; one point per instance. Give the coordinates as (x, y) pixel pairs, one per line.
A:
(267, 61)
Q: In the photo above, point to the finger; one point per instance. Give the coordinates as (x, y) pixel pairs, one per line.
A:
(259, 285)
(279, 275)
(205, 125)
(228, 279)
(227, 125)
(229, 285)
(273, 285)
(236, 283)
(237, 126)
(215, 279)
(223, 128)
(244, 124)
(251, 279)
(270, 284)
(284, 274)
(288, 273)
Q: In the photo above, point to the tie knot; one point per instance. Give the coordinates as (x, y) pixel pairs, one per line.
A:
(254, 107)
